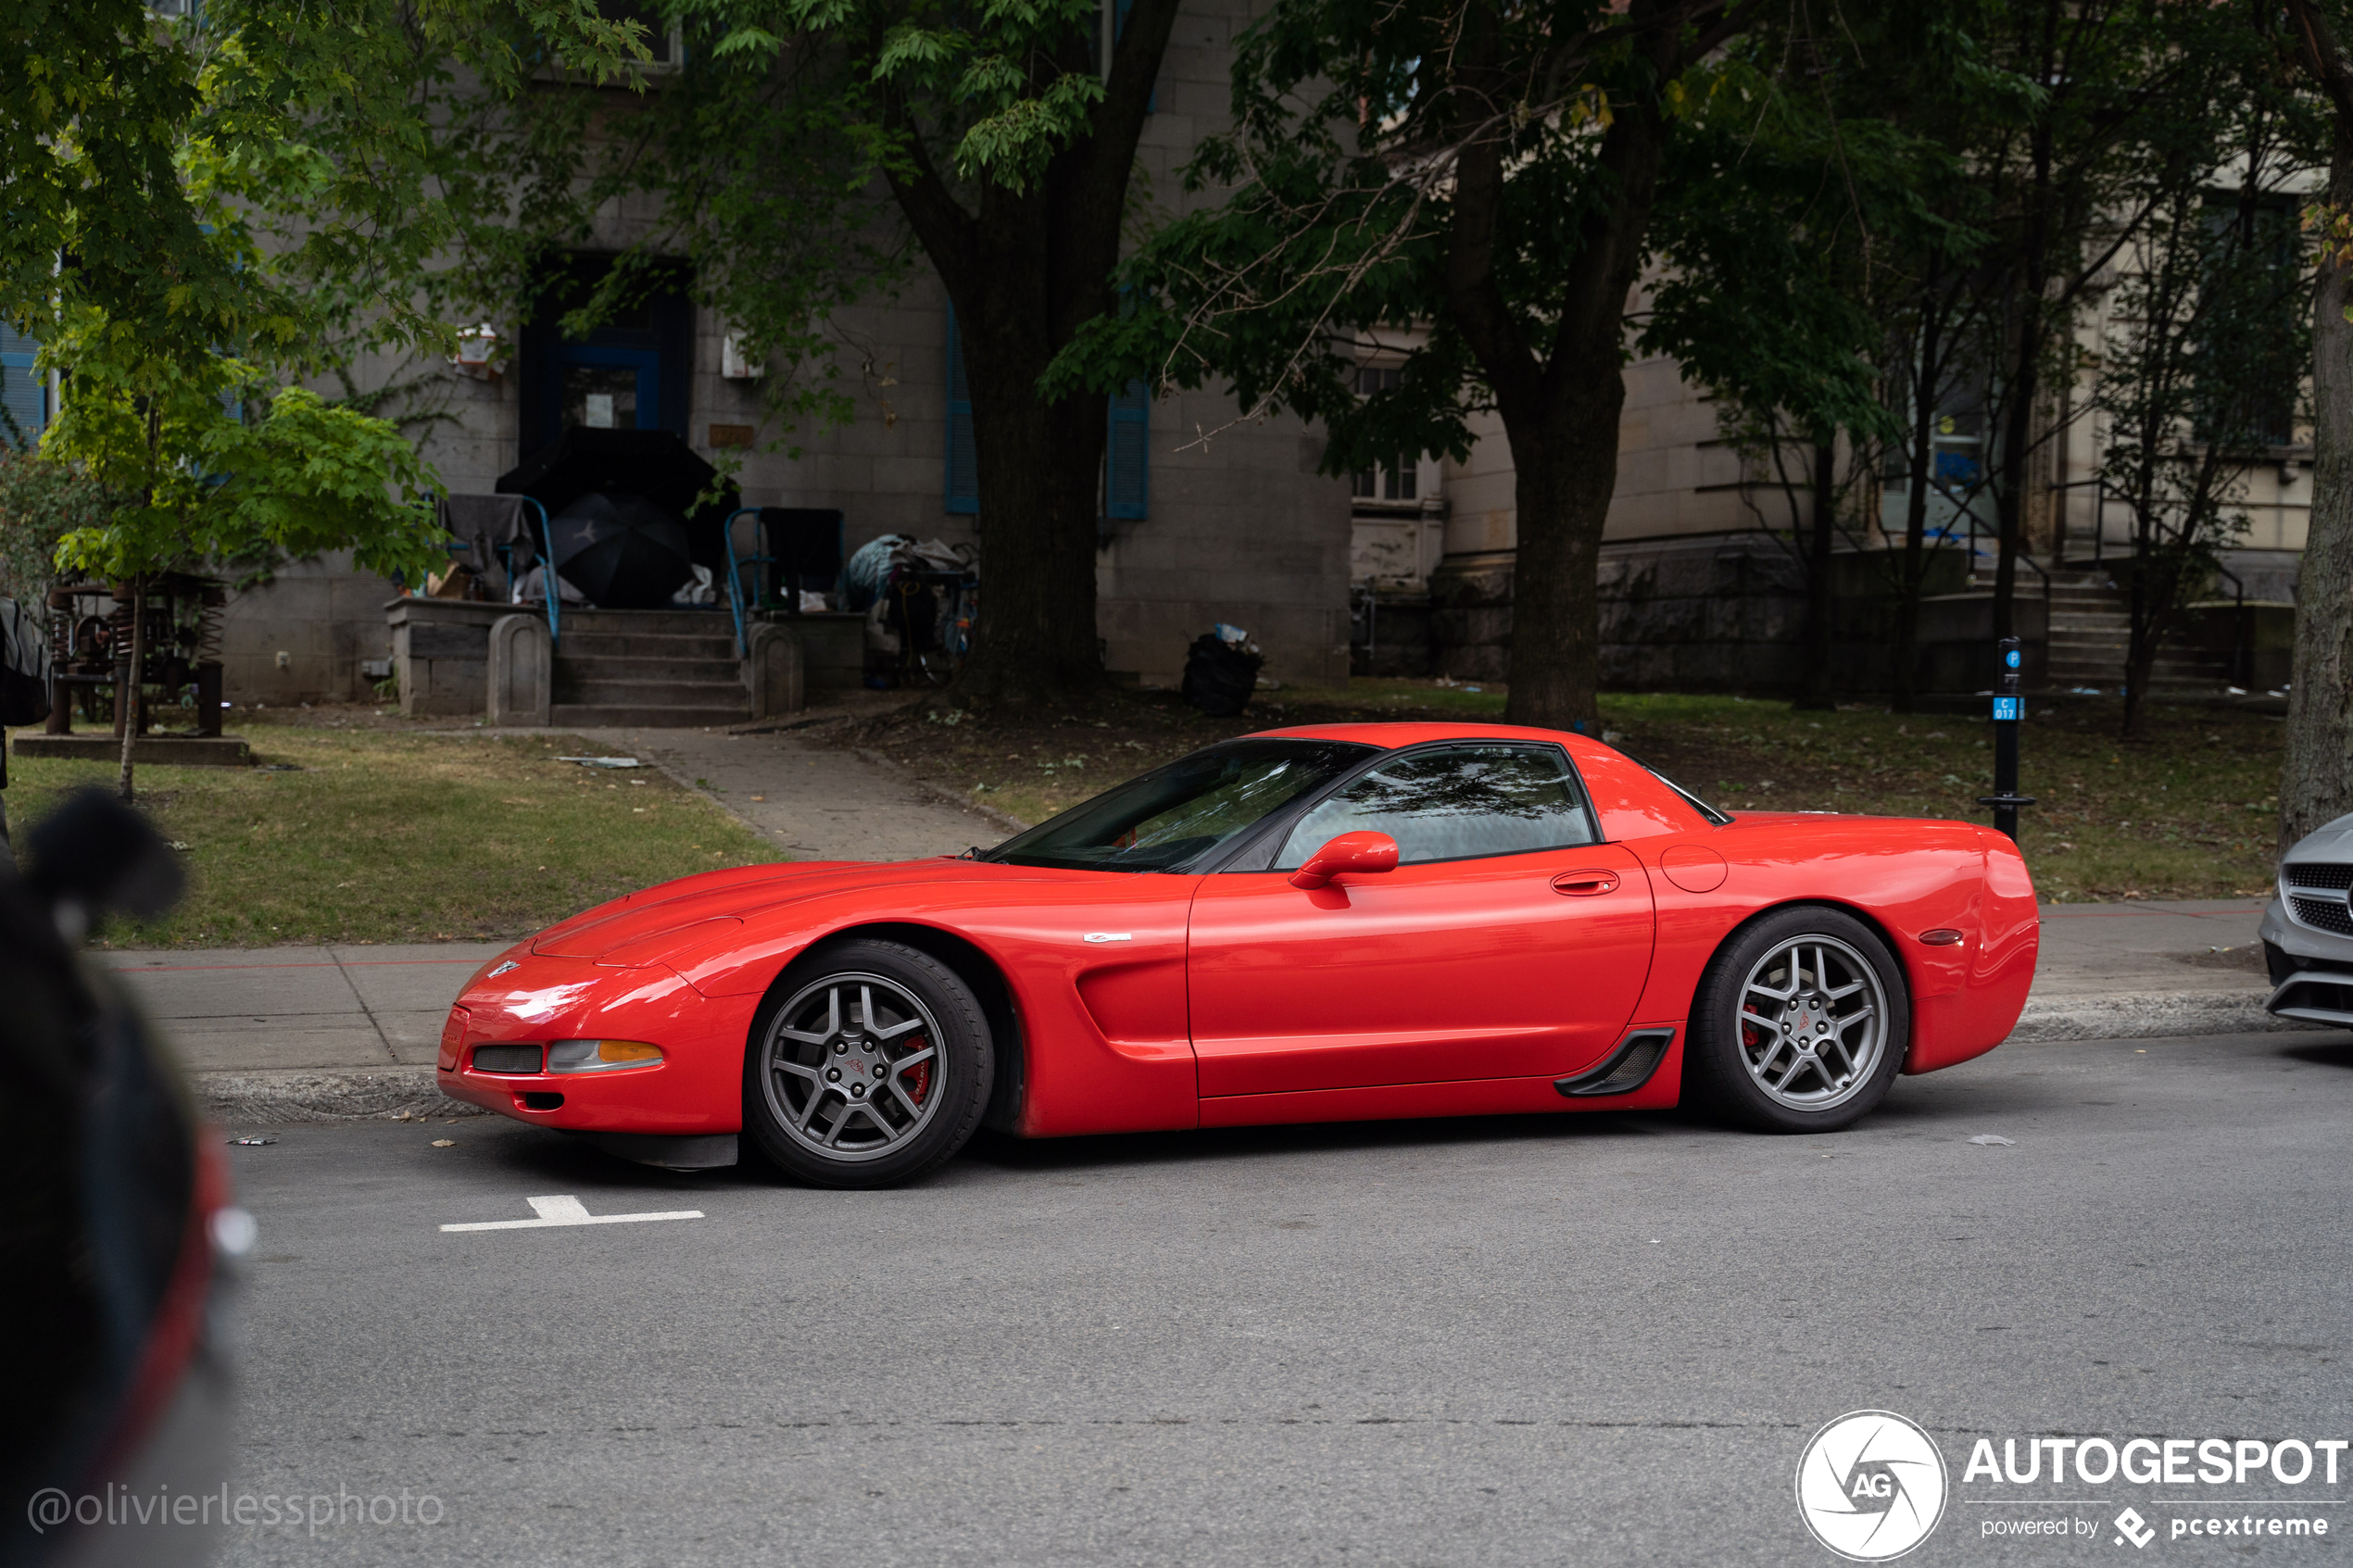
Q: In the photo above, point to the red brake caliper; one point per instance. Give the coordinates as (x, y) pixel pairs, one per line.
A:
(918, 1079)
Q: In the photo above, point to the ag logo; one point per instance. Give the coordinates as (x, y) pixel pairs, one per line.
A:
(1871, 1485)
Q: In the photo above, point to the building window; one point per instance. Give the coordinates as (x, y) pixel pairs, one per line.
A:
(24, 395)
(962, 459)
(1392, 480)
(2249, 375)
(1127, 453)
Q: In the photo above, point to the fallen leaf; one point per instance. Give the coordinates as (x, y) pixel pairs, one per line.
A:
(445, 1143)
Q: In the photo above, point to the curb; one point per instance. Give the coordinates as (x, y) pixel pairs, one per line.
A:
(395, 1094)
(2150, 1016)
(412, 1093)
(941, 792)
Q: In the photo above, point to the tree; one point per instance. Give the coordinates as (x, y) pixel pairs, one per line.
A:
(1471, 186)
(1782, 260)
(42, 500)
(2198, 367)
(208, 483)
(1003, 139)
(2100, 79)
(2316, 775)
(203, 209)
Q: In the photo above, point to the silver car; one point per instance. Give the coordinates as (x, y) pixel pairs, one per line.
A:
(2307, 928)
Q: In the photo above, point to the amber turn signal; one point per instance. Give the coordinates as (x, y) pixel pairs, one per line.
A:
(600, 1056)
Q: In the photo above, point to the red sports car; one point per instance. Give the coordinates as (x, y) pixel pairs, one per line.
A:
(1329, 923)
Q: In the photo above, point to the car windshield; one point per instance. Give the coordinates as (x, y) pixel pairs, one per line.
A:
(1172, 818)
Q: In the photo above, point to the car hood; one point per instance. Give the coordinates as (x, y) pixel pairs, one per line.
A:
(2331, 841)
(642, 926)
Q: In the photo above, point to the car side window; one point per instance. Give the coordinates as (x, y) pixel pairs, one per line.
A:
(1455, 803)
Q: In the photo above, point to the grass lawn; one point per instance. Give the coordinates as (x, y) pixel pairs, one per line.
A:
(2188, 813)
(373, 834)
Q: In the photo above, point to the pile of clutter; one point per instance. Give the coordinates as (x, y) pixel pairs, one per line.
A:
(1221, 670)
(918, 597)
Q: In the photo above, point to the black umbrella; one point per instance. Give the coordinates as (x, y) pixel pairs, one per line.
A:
(622, 551)
(656, 464)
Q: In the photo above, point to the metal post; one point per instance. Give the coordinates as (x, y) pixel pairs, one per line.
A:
(2009, 710)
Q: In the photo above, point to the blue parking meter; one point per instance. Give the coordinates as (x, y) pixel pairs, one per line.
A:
(2010, 711)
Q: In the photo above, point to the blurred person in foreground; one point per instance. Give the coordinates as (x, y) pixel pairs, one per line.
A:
(115, 1232)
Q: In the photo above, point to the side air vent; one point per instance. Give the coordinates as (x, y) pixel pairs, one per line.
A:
(2318, 876)
(2323, 914)
(1624, 1069)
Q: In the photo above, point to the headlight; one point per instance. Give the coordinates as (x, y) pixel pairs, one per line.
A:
(600, 1056)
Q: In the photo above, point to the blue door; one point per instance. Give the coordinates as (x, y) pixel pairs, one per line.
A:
(605, 388)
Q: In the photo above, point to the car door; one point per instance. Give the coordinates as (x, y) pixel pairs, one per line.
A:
(1507, 943)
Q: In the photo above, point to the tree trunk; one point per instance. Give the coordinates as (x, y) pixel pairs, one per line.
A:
(1815, 689)
(1565, 469)
(2009, 496)
(2140, 640)
(1025, 272)
(1039, 462)
(1560, 417)
(128, 691)
(1915, 569)
(2316, 775)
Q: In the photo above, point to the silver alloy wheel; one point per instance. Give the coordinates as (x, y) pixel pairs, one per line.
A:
(851, 1066)
(1813, 1022)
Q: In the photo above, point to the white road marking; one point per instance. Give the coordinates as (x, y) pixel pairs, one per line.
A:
(565, 1209)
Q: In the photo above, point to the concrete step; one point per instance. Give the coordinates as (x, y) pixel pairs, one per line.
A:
(659, 623)
(642, 693)
(591, 715)
(621, 644)
(650, 667)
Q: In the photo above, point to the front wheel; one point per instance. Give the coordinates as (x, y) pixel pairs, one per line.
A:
(1800, 1023)
(869, 1064)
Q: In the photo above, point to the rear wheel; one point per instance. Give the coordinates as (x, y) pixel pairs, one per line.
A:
(869, 1064)
(1800, 1023)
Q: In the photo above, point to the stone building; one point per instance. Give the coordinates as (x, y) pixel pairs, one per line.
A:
(1403, 569)
(1240, 529)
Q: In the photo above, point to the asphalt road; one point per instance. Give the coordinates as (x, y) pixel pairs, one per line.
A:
(1573, 1339)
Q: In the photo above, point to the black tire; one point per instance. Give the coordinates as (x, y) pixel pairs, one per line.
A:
(925, 1054)
(1732, 1059)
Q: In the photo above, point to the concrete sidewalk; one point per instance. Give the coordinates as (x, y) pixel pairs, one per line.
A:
(813, 802)
(294, 1032)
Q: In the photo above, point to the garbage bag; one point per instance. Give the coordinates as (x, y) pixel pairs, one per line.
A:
(1219, 675)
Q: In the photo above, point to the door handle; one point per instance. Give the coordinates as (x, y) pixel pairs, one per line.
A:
(1585, 885)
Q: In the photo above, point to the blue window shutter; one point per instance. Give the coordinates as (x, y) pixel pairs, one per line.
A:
(23, 391)
(1119, 25)
(1127, 453)
(963, 461)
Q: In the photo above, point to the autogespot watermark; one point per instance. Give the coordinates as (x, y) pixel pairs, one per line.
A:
(1873, 1484)
(54, 1509)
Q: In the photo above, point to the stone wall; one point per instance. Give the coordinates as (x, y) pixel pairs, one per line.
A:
(1725, 613)
(306, 636)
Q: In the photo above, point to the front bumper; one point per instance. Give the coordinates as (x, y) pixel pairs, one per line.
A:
(697, 1089)
(2311, 970)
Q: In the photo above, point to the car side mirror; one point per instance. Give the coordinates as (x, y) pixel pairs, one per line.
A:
(1359, 852)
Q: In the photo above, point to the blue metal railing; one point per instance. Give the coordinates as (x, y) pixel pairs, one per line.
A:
(734, 577)
(554, 590)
